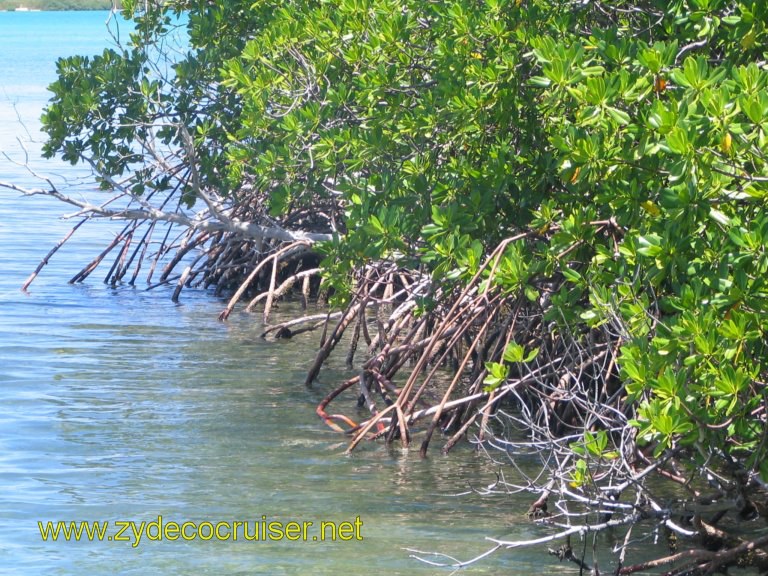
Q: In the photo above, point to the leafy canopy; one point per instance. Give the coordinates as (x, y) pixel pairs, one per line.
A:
(627, 139)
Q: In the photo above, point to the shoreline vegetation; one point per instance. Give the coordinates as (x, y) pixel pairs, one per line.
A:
(54, 5)
(562, 205)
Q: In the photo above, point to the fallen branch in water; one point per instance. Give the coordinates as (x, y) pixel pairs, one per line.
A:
(198, 222)
(226, 240)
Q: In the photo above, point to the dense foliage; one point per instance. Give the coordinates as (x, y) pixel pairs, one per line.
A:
(622, 144)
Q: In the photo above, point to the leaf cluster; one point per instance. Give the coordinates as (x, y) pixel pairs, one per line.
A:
(625, 141)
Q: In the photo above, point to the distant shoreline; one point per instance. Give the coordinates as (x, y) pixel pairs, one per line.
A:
(24, 11)
(54, 5)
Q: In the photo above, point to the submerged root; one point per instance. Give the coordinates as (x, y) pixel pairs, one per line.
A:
(428, 371)
(483, 360)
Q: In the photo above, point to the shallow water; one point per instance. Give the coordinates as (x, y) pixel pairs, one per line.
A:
(118, 405)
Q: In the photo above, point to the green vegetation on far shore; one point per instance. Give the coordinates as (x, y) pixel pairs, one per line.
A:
(56, 5)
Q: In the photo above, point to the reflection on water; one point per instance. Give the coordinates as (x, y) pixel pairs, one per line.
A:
(168, 412)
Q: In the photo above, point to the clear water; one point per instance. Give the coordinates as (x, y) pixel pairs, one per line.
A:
(116, 404)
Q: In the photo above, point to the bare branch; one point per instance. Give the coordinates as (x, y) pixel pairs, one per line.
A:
(244, 229)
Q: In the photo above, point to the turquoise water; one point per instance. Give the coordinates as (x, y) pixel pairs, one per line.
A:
(117, 405)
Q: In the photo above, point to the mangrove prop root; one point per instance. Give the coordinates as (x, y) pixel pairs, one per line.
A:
(293, 248)
(180, 284)
(114, 273)
(425, 366)
(281, 290)
(330, 419)
(85, 272)
(48, 256)
(698, 561)
(542, 408)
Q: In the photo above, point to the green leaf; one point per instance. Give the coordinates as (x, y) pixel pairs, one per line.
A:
(540, 81)
(649, 245)
(677, 140)
(497, 374)
(618, 115)
(514, 352)
(571, 275)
